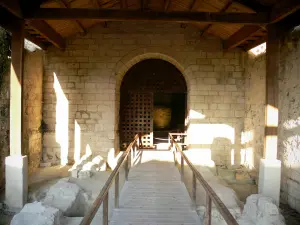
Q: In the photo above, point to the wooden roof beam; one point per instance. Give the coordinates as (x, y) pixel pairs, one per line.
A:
(240, 36)
(121, 15)
(12, 6)
(48, 32)
(79, 26)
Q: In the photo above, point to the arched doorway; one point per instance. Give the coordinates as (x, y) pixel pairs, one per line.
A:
(152, 102)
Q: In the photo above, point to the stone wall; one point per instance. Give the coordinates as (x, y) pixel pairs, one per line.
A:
(81, 89)
(253, 135)
(4, 125)
(289, 119)
(32, 108)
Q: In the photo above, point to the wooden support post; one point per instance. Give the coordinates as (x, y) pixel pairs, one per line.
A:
(117, 190)
(272, 73)
(208, 210)
(194, 190)
(16, 84)
(270, 167)
(105, 210)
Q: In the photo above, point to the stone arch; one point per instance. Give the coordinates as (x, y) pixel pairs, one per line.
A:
(134, 57)
(139, 55)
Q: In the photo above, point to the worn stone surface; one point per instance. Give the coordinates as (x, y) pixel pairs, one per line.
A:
(32, 108)
(86, 78)
(36, 214)
(67, 197)
(289, 120)
(4, 125)
(253, 134)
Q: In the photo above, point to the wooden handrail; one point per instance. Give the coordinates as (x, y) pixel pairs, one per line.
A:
(210, 193)
(103, 195)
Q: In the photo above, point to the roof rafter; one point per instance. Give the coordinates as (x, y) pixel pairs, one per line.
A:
(226, 6)
(120, 15)
(167, 5)
(240, 36)
(284, 8)
(79, 26)
(192, 6)
(278, 12)
(48, 32)
(124, 4)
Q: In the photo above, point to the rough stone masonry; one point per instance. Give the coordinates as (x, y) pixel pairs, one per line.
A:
(85, 79)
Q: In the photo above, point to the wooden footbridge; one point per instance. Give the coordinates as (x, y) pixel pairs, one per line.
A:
(154, 192)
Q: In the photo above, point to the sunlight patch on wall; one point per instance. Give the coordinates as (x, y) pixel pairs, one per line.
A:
(206, 133)
(259, 50)
(247, 157)
(62, 121)
(247, 136)
(292, 152)
(195, 115)
(291, 124)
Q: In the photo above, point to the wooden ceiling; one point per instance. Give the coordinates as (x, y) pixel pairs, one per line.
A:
(239, 23)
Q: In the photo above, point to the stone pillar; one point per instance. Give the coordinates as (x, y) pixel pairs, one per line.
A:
(16, 165)
(270, 167)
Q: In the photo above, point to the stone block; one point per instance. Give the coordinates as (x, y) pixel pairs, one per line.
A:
(66, 197)
(37, 214)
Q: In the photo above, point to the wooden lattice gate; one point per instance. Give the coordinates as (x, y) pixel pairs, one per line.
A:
(138, 118)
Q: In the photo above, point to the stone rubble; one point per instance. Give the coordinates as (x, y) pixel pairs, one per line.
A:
(36, 214)
(87, 166)
(65, 203)
(260, 210)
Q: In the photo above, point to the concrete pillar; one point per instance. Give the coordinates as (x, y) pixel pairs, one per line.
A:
(270, 167)
(16, 186)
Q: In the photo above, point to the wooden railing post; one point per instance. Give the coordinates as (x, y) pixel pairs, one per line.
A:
(194, 190)
(117, 191)
(126, 168)
(182, 169)
(208, 210)
(105, 210)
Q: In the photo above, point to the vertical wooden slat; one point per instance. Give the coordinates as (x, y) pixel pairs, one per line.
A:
(117, 190)
(194, 190)
(126, 169)
(105, 210)
(16, 84)
(208, 210)
(182, 169)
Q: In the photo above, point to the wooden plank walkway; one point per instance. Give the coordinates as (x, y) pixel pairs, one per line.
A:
(154, 194)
